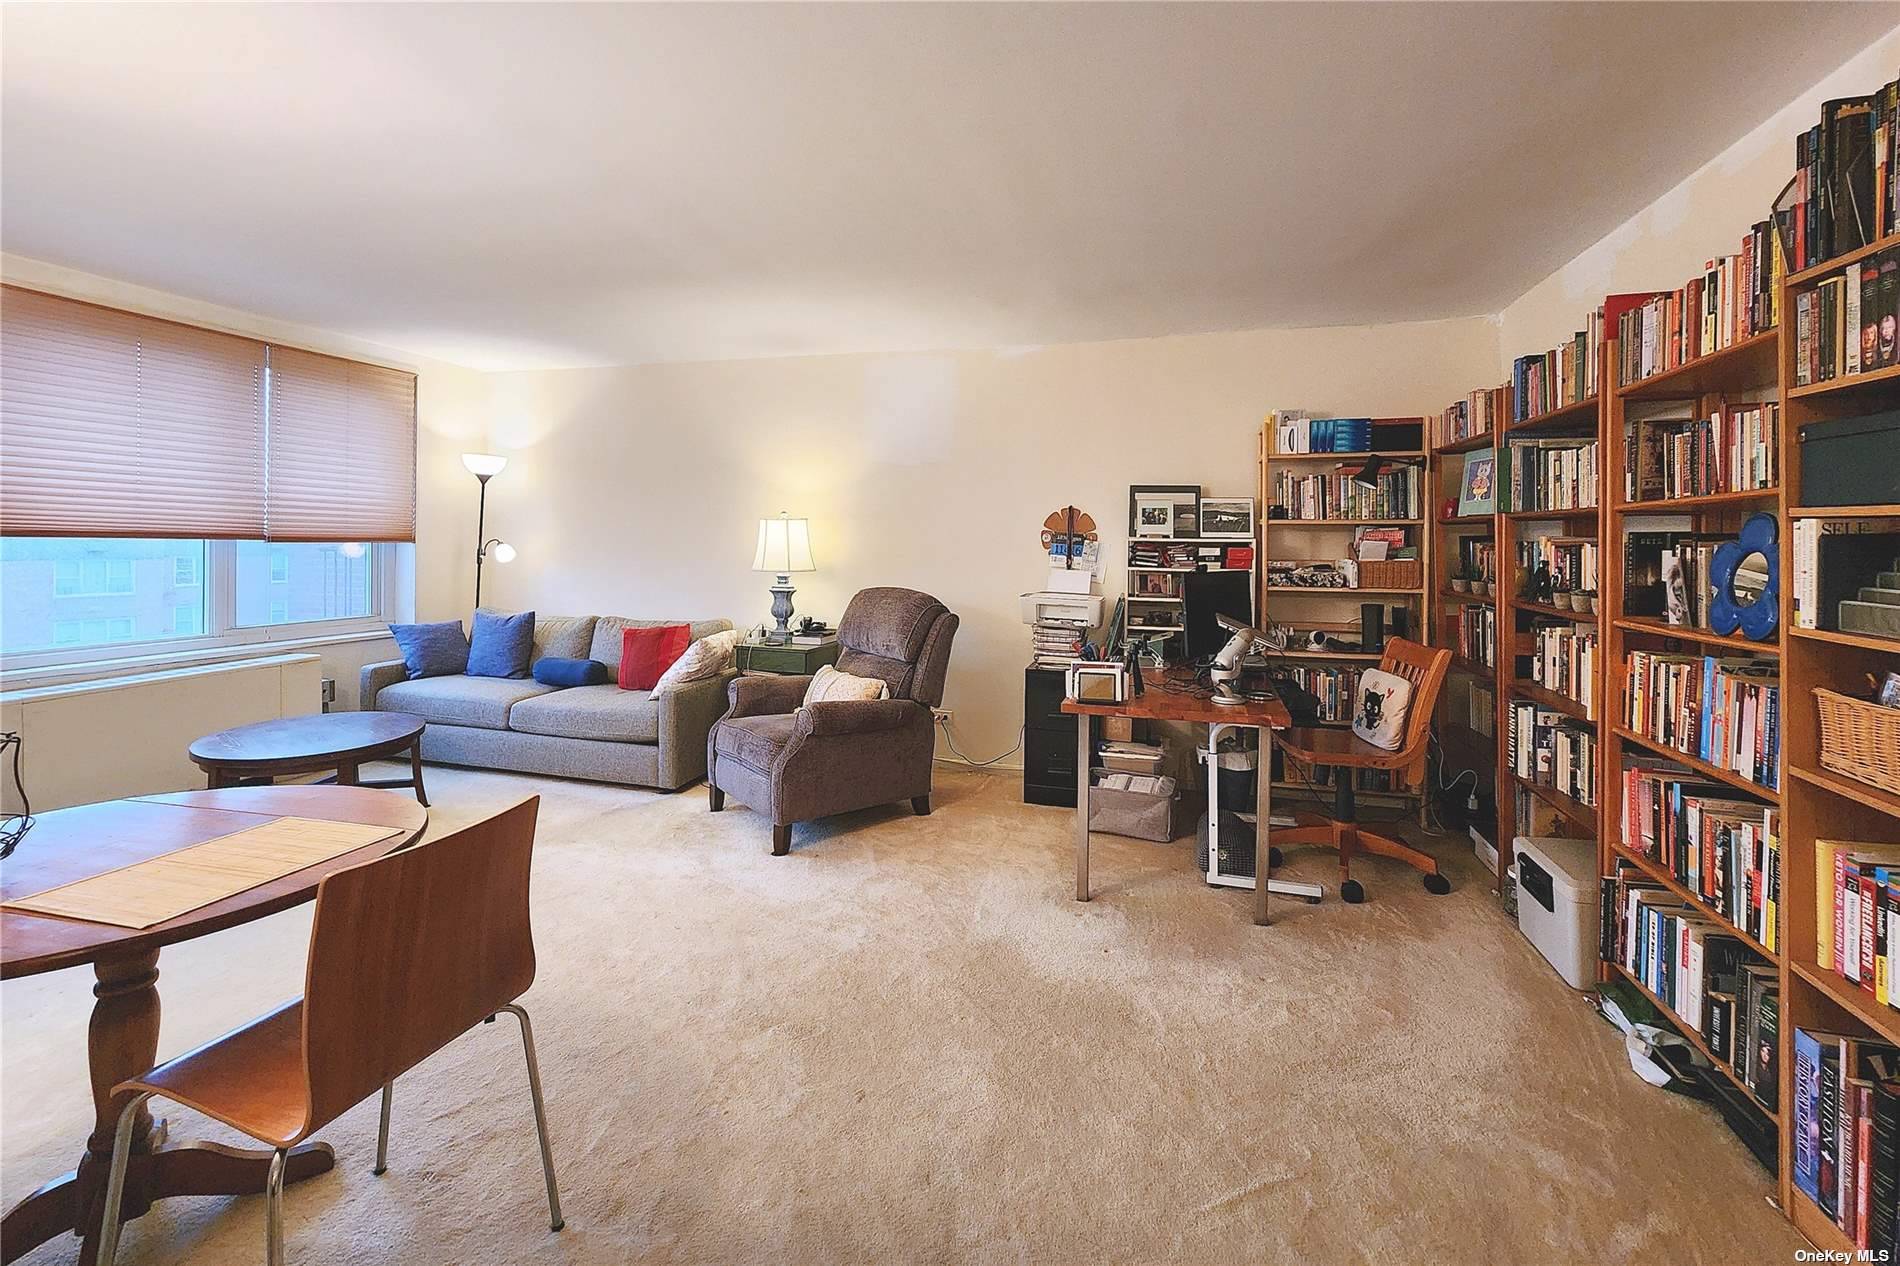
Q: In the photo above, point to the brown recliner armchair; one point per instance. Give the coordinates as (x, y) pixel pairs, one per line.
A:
(797, 763)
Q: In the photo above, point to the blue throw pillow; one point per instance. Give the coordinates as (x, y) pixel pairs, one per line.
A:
(552, 670)
(501, 644)
(431, 650)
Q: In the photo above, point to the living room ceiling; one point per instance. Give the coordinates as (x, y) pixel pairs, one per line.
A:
(523, 186)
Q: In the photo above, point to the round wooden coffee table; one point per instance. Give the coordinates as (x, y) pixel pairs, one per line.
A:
(340, 741)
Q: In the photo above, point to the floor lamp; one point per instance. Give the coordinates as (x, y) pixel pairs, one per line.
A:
(485, 466)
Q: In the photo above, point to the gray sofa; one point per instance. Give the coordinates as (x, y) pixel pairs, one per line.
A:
(601, 733)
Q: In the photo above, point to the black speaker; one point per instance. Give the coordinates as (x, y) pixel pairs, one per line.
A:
(1401, 623)
(1372, 627)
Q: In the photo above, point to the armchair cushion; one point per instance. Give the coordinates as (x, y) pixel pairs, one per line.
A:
(829, 684)
(855, 716)
(755, 740)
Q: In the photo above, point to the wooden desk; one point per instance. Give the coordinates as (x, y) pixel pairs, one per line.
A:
(67, 845)
(1172, 696)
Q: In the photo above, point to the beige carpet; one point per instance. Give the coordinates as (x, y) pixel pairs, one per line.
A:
(906, 1042)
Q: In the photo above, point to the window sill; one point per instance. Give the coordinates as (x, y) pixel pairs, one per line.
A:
(84, 670)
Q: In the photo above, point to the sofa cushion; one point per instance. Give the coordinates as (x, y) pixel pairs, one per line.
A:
(646, 654)
(552, 670)
(756, 741)
(607, 713)
(610, 629)
(563, 636)
(483, 702)
(431, 650)
(501, 644)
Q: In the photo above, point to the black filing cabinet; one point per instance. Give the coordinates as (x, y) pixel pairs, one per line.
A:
(1048, 739)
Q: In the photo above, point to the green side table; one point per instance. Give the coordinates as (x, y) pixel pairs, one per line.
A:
(760, 657)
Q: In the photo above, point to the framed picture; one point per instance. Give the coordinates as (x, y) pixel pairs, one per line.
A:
(1477, 492)
(1227, 518)
(1146, 511)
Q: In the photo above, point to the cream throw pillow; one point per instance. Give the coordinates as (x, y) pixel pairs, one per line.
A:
(701, 661)
(829, 685)
(1384, 700)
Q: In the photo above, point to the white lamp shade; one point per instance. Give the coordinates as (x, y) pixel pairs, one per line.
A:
(503, 552)
(484, 465)
(784, 546)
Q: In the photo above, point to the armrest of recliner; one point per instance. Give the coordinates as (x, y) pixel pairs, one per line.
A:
(856, 716)
(765, 695)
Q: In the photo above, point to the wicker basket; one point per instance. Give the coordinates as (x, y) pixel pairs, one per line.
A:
(1391, 573)
(1860, 739)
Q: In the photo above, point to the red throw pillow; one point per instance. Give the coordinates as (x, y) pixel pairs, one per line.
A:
(647, 653)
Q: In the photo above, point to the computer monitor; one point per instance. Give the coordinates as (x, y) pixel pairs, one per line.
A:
(1208, 596)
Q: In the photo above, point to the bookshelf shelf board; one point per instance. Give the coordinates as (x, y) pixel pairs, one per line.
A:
(1700, 637)
(1133, 629)
(1142, 597)
(1865, 641)
(1740, 365)
(1850, 788)
(1577, 812)
(1682, 1026)
(1189, 540)
(1843, 512)
(1320, 523)
(1828, 268)
(1186, 569)
(1466, 445)
(1469, 520)
(1582, 512)
(1655, 871)
(1324, 589)
(1699, 765)
(1845, 383)
(1369, 657)
(1471, 599)
(1360, 454)
(1675, 505)
(1473, 667)
(1851, 998)
(1326, 791)
(1561, 613)
(1551, 699)
(1583, 411)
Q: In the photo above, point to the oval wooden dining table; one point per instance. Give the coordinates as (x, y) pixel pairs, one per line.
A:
(67, 845)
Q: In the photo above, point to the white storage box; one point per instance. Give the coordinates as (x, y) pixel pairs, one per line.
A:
(1557, 896)
(1133, 758)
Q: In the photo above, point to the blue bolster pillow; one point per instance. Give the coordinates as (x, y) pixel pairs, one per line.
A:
(551, 670)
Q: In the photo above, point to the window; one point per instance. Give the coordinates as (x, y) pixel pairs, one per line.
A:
(64, 599)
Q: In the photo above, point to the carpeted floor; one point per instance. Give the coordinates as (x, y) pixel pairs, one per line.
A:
(906, 1042)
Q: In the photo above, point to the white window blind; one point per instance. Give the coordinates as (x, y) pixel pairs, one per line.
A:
(115, 424)
(342, 450)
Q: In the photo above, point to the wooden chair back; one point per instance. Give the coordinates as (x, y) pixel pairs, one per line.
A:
(1425, 668)
(412, 950)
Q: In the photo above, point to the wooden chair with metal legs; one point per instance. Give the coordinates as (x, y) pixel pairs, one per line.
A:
(1424, 667)
(407, 953)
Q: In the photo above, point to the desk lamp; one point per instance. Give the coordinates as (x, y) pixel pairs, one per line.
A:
(1225, 670)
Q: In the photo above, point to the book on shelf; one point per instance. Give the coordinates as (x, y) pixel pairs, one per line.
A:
(1478, 558)
(1846, 1127)
(1478, 634)
(1563, 660)
(1665, 575)
(1295, 431)
(1336, 495)
(1335, 687)
(1477, 414)
(1564, 375)
(1844, 324)
(1847, 575)
(1724, 849)
(1572, 560)
(1846, 180)
(1734, 451)
(1690, 961)
(1553, 750)
(1551, 474)
(1856, 914)
(1732, 299)
(1725, 712)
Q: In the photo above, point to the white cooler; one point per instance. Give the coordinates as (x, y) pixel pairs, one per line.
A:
(1557, 897)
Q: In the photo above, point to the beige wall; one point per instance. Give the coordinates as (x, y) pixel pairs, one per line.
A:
(1704, 216)
(637, 490)
(451, 416)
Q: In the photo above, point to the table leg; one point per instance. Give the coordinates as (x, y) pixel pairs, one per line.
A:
(415, 767)
(1082, 755)
(122, 1042)
(1263, 818)
(348, 775)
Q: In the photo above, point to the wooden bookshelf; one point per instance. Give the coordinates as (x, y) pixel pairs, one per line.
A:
(1695, 1039)
(1471, 686)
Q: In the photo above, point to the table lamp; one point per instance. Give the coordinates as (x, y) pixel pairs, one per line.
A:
(784, 547)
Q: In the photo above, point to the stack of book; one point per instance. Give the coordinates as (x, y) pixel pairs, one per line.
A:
(1731, 299)
(1565, 375)
(1295, 432)
(1334, 687)
(1725, 850)
(1339, 496)
(1847, 1135)
(1157, 554)
(1712, 982)
(1478, 634)
(1845, 323)
(1725, 712)
(1555, 474)
(1552, 750)
(1477, 414)
(1847, 178)
(1055, 643)
(1572, 560)
(1664, 575)
(1857, 914)
(1564, 661)
(1734, 451)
